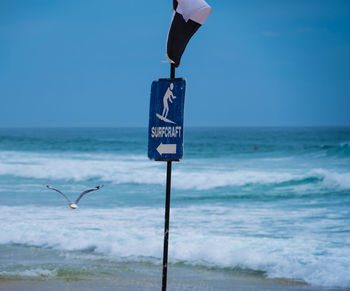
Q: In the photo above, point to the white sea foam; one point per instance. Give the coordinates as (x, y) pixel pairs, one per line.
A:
(209, 179)
(29, 273)
(331, 179)
(78, 167)
(294, 244)
(137, 169)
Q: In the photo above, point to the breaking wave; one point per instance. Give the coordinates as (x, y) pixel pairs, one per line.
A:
(137, 169)
(211, 236)
(29, 273)
(340, 150)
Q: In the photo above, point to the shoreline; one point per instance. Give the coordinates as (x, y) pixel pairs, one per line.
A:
(148, 277)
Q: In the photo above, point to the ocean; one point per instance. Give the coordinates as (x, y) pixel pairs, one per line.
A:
(260, 203)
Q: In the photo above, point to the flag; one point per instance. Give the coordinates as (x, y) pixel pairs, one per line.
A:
(188, 16)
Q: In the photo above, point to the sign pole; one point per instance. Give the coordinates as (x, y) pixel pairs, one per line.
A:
(166, 226)
(172, 71)
(167, 209)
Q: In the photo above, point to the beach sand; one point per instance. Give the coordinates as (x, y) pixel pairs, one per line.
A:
(180, 277)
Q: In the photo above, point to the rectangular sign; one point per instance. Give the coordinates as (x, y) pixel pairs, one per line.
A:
(166, 120)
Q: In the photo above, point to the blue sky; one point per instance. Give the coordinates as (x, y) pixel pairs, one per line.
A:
(253, 63)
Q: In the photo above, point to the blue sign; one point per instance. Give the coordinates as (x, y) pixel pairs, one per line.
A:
(166, 120)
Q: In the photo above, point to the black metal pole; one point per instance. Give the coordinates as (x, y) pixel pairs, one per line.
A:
(166, 226)
(167, 210)
(172, 71)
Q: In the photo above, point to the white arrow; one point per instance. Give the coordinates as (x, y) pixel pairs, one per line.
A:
(166, 149)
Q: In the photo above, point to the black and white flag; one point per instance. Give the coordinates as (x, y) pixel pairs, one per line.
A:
(188, 16)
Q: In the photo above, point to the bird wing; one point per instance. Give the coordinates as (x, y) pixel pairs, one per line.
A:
(87, 191)
(59, 192)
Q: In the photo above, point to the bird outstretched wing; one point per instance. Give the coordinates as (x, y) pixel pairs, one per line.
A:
(87, 191)
(58, 192)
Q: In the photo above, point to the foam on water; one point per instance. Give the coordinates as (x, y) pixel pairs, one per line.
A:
(333, 180)
(137, 169)
(297, 246)
(29, 273)
(271, 200)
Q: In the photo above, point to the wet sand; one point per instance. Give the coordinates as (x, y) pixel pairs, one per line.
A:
(179, 278)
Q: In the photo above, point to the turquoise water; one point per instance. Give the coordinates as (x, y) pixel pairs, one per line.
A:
(274, 202)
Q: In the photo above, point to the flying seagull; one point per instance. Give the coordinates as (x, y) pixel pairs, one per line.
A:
(74, 205)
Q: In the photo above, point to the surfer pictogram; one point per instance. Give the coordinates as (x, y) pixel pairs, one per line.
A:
(169, 96)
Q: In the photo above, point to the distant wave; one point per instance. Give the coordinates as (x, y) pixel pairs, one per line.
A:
(342, 145)
(213, 179)
(211, 236)
(340, 150)
(137, 169)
